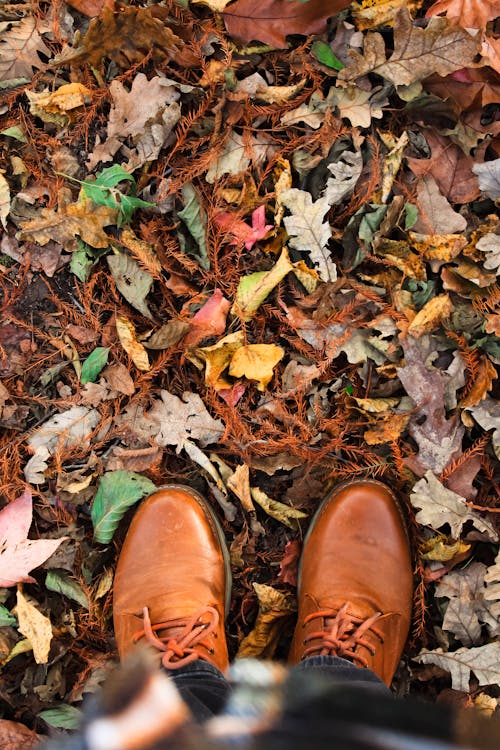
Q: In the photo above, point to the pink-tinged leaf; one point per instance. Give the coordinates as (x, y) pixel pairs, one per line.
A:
(241, 231)
(210, 320)
(289, 564)
(232, 395)
(19, 555)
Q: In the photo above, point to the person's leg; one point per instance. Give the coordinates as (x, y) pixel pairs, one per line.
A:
(355, 586)
(342, 672)
(172, 590)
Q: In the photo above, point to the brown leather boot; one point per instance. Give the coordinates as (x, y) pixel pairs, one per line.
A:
(355, 585)
(172, 585)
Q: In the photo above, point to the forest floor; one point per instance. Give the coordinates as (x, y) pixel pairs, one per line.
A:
(258, 265)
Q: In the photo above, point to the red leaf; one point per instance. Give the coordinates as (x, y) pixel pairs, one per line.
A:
(240, 230)
(19, 555)
(290, 563)
(210, 320)
(270, 21)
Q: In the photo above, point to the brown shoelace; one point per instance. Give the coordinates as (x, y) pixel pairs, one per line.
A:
(344, 635)
(182, 649)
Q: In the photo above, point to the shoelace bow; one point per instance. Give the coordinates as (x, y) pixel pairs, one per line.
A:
(181, 649)
(344, 635)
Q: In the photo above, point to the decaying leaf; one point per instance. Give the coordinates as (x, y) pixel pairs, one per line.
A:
(237, 154)
(490, 244)
(489, 178)
(308, 231)
(128, 339)
(345, 174)
(483, 662)
(168, 335)
(239, 483)
(487, 414)
(18, 554)
(131, 280)
(20, 49)
(178, 420)
(57, 106)
(35, 627)
(470, 14)
(255, 288)
(117, 491)
(439, 506)
(217, 358)
(436, 216)
(274, 608)
(210, 320)
(431, 315)
(281, 512)
(85, 220)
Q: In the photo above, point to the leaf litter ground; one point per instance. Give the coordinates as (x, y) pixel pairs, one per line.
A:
(258, 265)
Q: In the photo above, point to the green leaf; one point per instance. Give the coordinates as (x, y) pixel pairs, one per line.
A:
(127, 205)
(194, 217)
(62, 717)
(323, 52)
(94, 364)
(255, 288)
(60, 582)
(6, 618)
(111, 176)
(15, 132)
(411, 215)
(118, 490)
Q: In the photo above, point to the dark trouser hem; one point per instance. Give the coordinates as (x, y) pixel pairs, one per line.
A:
(203, 688)
(342, 671)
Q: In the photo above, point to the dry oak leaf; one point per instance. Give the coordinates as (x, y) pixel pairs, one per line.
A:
(372, 15)
(16, 736)
(489, 178)
(431, 315)
(239, 483)
(274, 607)
(418, 53)
(217, 358)
(484, 378)
(179, 420)
(256, 362)
(450, 167)
(85, 220)
(18, 554)
(237, 153)
(436, 216)
(438, 505)
(271, 21)
(467, 87)
(20, 49)
(471, 14)
(52, 106)
(35, 627)
(127, 35)
(483, 661)
(490, 244)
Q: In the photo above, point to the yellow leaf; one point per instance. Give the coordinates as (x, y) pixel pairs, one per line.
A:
(369, 14)
(217, 359)
(35, 627)
(255, 288)
(387, 431)
(437, 548)
(437, 246)
(256, 362)
(216, 5)
(274, 607)
(431, 315)
(376, 405)
(135, 350)
(4, 199)
(281, 512)
(239, 483)
(52, 106)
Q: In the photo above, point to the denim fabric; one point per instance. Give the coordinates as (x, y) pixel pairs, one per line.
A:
(205, 689)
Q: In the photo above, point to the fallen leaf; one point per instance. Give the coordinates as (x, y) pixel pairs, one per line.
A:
(135, 350)
(57, 106)
(217, 358)
(94, 364)
(438, 548)
(241, 231)
(273, 20)
(35, 627)
(346, 171)
(195, 218)
(371, 16)
(168, 335)
(438, 506)
(84, 220)
(418, 52)
(487, 415)
(20, 49)
(484, 378)
(81, 334)
(489, 178)
(281, 512)
(131, 280)
(18, 554)
(62, 583)
(90, 8)
(275, 607)
(308, 232)
(483, 661)
(4, 199)
(237, 154)
(431, 315)
(140, 459)
(436, 216)
(256, 287)
(178, 420)
(117, 491)
(239, 483)
(256, 362)
(210, 320)
(356, 105)
(289, 563)
(62, 717)
(387, 431)
(119, 379)
(471, 14)
(467, 609)
(490, 244)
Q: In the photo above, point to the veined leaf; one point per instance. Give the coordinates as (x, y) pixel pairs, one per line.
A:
(60, 582)
(62, 717)
(324, 53)
(94, 364)
(118, 490)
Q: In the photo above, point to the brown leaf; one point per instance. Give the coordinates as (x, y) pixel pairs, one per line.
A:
(84, 220)
(90, 8)
(239, 483)
(140, 459)
(449, 166)
(484, 379)
(119, 379)
(436, 214)
(20, 48)
(126, 35)
(271, 21)
(418, 53)
(289, 565)
(81, 334)
(471, 14)
(15, 736)
(431, 315)
(474, 86)
(168, 335)
(274, 607)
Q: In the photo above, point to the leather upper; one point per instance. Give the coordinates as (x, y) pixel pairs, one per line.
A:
(357, 562)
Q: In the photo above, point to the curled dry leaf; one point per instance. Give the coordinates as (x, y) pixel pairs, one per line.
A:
(256, 362)
(35, 627)
(135, 350)
(274, 607)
